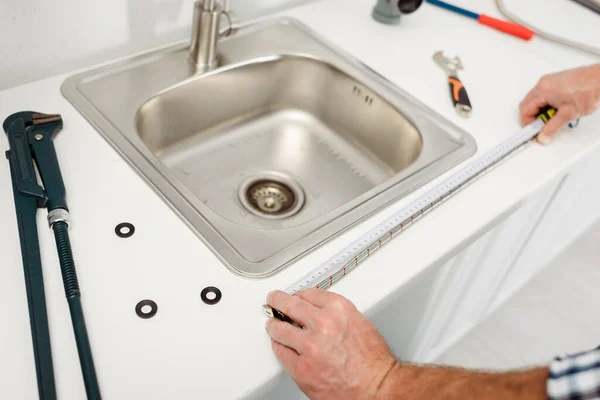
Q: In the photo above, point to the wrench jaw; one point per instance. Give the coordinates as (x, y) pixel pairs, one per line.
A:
(451, 66)
(30, 137)
(51, 122)
(458, 65)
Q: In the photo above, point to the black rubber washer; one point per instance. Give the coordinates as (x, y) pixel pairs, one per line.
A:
(143, 303)
(210, 289)
(124, 235)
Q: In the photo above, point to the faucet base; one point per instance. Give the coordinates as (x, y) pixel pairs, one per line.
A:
(205, 34)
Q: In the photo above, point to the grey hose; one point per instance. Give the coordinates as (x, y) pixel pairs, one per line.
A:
(547, 35)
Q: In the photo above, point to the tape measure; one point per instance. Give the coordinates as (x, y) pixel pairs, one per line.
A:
(337, 267)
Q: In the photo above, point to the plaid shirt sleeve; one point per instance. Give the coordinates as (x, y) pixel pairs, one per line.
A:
(575, 376)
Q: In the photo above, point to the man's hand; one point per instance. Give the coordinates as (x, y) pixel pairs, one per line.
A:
(337, 354)
(574, 93)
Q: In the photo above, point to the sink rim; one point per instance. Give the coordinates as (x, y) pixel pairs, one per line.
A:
(404, 183)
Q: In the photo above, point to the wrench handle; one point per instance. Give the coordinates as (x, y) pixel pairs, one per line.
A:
(460, 99)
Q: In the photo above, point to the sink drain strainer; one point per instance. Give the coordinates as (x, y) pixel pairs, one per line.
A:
(271, 196)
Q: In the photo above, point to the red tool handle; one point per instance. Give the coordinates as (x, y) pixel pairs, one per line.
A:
(507, 27)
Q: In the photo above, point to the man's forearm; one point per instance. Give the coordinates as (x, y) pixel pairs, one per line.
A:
(406, 381)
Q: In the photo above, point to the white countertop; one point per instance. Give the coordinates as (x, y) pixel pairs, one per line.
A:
(191, 350)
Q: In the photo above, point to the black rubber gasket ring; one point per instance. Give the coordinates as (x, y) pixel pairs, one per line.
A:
(124, 225)
(143, 303)
(211, 289)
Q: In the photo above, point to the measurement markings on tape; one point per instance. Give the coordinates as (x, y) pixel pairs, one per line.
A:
(336, 268)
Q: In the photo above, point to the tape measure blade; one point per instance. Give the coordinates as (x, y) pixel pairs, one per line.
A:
(348, 258)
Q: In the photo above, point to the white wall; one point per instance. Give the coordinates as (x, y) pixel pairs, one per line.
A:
(42, 38)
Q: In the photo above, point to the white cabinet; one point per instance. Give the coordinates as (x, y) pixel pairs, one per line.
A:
(571, 212)
(456, 295)
(475, 276)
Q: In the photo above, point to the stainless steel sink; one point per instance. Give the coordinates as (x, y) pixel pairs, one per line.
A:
(287, 143)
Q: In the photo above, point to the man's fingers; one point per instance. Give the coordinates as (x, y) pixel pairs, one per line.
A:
(317, 297)
(293, 306)
(286, 356)
(530, 106)
(287, 334)
(560, 120)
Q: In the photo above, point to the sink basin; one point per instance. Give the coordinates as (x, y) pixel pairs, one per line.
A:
(285, 119)
(286, 144)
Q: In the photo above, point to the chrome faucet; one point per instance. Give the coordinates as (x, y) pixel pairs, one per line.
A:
(206, 33)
